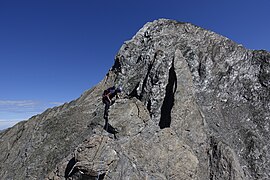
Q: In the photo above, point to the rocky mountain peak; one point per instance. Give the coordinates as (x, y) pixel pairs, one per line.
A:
(195, 106)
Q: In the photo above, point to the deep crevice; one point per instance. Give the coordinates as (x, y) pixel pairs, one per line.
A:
(69, 171)
(101, 177)
(165, 119)
(134, 93)
(117, 65)
(202, 69)
(145, 79)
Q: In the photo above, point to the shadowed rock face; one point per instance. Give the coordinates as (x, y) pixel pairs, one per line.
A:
(195, 106)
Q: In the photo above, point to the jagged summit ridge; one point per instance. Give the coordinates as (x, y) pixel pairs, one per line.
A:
(195, 106)
(156, 44)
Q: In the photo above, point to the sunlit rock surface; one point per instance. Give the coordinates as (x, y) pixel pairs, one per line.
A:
(195, 106)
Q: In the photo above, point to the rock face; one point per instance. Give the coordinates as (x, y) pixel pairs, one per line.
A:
(195, 106)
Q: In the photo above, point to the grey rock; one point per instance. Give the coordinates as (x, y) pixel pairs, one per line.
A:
(195, 106)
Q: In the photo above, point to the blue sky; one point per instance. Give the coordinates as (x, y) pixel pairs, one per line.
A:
(51, 51)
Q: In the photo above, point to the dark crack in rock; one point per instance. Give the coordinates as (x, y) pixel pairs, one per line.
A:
(195, 106)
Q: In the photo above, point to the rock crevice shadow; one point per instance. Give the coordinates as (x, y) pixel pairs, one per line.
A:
(165, 119)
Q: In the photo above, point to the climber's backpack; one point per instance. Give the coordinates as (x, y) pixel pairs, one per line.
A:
(110, 90)
(105, 93)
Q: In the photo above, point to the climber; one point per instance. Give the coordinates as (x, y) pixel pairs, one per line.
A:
(107, 97)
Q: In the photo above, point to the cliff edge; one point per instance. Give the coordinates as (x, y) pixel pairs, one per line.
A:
(195, 106)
